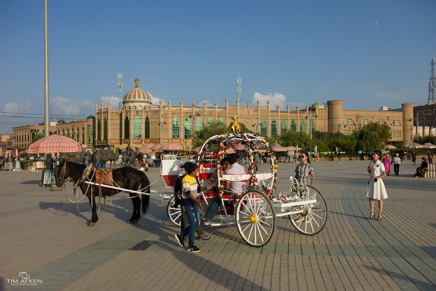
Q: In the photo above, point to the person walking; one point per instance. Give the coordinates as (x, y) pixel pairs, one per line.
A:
(376, 188)
(184, 219)
(397, 161)
(190, 204)
(387, 163)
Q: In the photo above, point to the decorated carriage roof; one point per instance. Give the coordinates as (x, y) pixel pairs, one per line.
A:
(239, 141)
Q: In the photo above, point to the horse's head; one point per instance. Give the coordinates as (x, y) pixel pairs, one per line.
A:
(60, 174)
(68, 171)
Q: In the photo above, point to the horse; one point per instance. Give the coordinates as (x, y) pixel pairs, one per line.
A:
(126, 177)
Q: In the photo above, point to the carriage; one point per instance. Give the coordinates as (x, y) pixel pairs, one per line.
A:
(256, 210)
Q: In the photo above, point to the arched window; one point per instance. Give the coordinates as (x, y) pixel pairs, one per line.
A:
(312, 124)
(263, 130)
(176, 127)
(198, 124)
(126, 127)
(303, 126)
(105, 128)
(273, 128)
(147, 127)
(137, 127)
(283, 126)
(98, 129)
(188, 126)
(293, 126)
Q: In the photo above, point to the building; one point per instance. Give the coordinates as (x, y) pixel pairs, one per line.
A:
(424, 120)
(81, 131)
(138, 121)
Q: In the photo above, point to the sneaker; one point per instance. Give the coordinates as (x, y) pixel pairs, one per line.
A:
(180, 240)
(194, 249)
(203, 237)
(205, 221)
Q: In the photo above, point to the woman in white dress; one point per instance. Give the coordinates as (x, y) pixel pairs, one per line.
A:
(376, 188)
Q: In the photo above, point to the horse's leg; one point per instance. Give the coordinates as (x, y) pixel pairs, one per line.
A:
(136, 215)
(94, 217)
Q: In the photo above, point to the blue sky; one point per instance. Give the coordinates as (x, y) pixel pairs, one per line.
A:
(368, 53)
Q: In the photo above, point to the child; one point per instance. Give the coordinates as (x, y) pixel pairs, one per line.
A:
(190, 204)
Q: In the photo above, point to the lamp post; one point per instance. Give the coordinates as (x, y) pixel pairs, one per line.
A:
(194, 116)
(311, 115)
(161, 124)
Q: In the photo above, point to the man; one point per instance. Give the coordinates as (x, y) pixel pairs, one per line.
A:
(396, 161)
(235, 169)
(184, 219)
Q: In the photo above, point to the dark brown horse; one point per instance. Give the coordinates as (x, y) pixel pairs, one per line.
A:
(126, 178)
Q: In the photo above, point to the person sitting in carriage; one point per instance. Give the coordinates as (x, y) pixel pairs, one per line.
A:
(233, 187)
(213, 187)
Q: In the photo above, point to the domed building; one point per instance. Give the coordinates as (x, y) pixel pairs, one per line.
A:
(139, 121)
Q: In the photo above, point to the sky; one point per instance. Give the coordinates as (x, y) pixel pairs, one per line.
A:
(368, 53)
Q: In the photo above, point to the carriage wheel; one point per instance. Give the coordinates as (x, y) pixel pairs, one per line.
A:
(312, 217)
(174, 211)
(255, 218)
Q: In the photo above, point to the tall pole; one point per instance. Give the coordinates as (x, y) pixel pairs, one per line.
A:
(46, 112)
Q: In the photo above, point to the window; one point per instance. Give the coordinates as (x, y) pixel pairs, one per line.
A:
(429, 112)
(273, 127)
(176, 127)
(424, 112)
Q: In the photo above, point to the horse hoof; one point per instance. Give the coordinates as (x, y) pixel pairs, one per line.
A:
(90, 223)
(133, 221)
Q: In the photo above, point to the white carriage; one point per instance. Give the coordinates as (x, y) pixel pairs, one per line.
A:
(255, 211)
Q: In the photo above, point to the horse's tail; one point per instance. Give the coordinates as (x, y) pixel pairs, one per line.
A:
(145, 184)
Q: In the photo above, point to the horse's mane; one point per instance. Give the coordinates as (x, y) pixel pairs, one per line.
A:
(75, 170)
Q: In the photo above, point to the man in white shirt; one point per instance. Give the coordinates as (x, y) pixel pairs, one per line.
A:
(235, 169)
(396, 161)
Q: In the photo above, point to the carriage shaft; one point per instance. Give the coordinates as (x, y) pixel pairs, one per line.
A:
(117, 188)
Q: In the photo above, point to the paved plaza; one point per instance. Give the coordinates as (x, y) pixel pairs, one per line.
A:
(44, 239)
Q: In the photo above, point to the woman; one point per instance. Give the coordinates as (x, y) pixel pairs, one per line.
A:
(387, 163)
(304, 172)
(376, 188)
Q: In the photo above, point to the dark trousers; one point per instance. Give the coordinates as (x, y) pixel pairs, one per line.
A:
(397, 169)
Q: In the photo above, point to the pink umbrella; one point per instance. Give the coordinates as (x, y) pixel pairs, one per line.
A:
(156, 147)
(146, 148)
(172, 147)
(55, 144)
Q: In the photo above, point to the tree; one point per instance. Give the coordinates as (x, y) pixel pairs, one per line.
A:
(372, 136)
(210, 129)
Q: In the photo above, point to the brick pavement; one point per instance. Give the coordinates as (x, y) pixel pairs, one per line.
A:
(46, 237)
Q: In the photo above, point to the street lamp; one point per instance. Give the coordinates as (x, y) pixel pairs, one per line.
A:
(194, 121)
(312, 115)
(161, 124)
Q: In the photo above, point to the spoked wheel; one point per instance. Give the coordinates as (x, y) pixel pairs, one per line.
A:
(255, 218)
(174, 211)
(313, 216)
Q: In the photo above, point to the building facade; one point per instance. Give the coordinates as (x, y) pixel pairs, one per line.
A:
(138, 121)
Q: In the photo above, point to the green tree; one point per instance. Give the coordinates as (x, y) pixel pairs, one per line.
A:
(209, 130)
(300, 139)
(372, 136)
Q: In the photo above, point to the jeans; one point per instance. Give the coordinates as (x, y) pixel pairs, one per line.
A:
(213, 207)
(191, 213)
